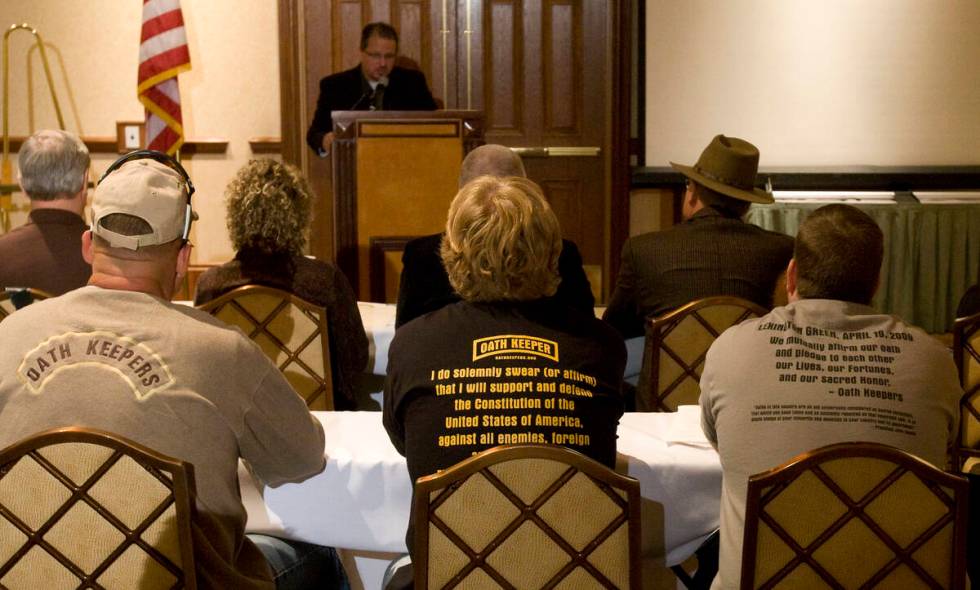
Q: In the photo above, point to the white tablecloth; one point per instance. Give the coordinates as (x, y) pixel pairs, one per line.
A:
(361, 500)
(379, 323)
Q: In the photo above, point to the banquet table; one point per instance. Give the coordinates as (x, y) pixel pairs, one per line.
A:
(360, 502)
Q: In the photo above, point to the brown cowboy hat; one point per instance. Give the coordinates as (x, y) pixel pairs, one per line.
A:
(728, 165)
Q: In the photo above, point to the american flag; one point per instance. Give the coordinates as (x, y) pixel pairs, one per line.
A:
(163, 55)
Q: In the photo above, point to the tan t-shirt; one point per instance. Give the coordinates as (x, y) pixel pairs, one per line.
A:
(174, 379)
(810, 374)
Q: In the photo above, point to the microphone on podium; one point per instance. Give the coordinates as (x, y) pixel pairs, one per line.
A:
(367, 96)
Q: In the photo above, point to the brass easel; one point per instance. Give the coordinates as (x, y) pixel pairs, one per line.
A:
(6, 170)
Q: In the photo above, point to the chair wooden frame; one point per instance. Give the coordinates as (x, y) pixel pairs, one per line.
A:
(9, 293)
(448, 481)
(649, 388)
(259, 327)
(176, 475)
(966, 354)
(765, 487)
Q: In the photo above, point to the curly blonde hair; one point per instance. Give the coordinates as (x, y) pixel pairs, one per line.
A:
(502, 241)
(269, 207)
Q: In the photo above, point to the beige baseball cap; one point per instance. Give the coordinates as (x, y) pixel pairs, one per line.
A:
(150, 190)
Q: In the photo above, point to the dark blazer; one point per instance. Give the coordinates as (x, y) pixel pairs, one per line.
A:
(707, 255)
(424, 285)
(349, 91)
(46, 253)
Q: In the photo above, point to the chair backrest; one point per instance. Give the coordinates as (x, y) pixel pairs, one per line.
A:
(291, 331)
(855, 515)
(966, 349)
(675, 347)
(82, 508)
(12, 299)
(527, 516)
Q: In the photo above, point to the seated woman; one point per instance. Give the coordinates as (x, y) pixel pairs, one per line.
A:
(269, 213)
(509, 363)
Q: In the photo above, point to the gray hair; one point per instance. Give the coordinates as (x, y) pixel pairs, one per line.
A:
(490, 160)
(52, 165)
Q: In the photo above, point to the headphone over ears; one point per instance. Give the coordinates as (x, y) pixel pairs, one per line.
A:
(166, 160)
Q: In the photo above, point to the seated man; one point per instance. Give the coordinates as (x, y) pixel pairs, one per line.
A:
(825, 350)
(269, 213)
(46, 253)
(712, 252)
(505, 365)
(118, 356)
(424, 285)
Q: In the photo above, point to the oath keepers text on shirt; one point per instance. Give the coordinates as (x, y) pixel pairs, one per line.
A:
(855, 367)
(531, 403)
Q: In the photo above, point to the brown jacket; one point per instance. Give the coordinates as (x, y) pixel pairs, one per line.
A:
(46, 253)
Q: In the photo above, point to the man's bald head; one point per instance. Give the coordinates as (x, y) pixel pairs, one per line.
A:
(490, 160)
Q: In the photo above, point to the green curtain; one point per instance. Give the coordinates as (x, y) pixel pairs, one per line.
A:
(932, 254)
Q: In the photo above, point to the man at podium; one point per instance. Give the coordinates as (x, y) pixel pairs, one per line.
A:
(375, 84)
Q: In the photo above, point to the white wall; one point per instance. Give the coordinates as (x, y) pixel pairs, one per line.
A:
(815, 82)
(231, 92)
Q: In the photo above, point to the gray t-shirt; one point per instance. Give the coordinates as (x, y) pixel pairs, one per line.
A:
(813, 373)
(174, 379)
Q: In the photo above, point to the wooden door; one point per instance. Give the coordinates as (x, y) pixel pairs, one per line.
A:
(321, 37)
(541, 71)
(545, 72)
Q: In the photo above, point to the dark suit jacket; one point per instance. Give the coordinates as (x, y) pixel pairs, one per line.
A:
(424, 285)
(348, 90)
(707, 255)
(46, 253)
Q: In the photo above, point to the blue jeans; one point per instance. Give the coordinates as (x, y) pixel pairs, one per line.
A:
(298, 566)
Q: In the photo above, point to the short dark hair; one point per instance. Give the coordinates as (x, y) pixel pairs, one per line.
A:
(490, 159)
(728, 206)
(378, 29)
(838, 255)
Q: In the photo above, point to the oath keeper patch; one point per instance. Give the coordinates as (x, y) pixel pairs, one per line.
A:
(511, 344)
(136, 363)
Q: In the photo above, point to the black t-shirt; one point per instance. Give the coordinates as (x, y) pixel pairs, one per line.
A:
(471, 376)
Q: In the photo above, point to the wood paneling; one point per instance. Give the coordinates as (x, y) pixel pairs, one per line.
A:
(564, 197)
(620, 81)
(414, 32)
(380, 10)
(562, 67)
(349, 21)
(109, 145)
(265, 145)
(503, 57)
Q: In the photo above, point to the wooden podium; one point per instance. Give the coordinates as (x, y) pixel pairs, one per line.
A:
(394, 175)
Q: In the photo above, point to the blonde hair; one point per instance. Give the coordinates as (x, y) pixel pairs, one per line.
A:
(502, 241)
(269, 207)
